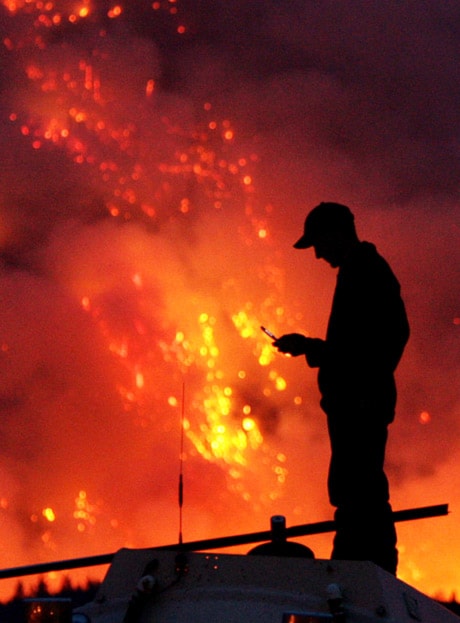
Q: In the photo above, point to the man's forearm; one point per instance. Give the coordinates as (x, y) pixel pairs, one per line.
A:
(296, 344)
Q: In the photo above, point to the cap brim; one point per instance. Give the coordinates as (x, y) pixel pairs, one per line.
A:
(303, 243)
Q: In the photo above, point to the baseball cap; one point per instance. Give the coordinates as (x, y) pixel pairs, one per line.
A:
(325, 217)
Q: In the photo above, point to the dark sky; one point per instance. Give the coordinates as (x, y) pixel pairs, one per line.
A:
(151, 186)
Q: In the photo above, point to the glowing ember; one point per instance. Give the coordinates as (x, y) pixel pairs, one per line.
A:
(84, 512)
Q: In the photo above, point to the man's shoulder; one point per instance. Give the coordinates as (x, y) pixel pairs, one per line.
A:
(368, 264)
(366, 249)
(366, 253)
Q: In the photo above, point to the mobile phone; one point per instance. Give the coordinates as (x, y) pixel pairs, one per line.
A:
(269, 333)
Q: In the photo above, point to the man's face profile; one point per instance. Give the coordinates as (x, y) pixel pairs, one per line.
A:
(330, 247)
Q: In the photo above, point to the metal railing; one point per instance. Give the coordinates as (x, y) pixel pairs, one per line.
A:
(216, 543)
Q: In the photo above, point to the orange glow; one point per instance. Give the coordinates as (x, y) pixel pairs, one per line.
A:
(161, 245)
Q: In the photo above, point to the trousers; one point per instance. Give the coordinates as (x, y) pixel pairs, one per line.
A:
(358, 487)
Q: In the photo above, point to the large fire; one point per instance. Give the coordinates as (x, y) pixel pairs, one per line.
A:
(163, 264)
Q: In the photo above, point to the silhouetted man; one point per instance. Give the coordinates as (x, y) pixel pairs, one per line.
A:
(365, 338)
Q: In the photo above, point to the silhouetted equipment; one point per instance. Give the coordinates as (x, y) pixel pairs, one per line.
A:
(279, 546)
(232, 588)
(181, 462)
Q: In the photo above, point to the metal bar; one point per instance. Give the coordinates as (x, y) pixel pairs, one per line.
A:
(423, 512)
(302, 530)
(217, 543)
(60, 565)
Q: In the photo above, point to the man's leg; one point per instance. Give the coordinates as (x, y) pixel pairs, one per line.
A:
(366, 534)
(358, 487)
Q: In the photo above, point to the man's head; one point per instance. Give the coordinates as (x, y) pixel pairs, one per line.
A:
(330, 229)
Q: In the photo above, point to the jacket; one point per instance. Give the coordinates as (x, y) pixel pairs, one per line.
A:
(366, 335)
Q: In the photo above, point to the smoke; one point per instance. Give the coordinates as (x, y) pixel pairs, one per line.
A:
(152, 184)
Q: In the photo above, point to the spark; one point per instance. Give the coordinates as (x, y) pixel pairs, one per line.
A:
(49, 514)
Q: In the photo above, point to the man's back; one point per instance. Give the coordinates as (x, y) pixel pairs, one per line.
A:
(366, 334)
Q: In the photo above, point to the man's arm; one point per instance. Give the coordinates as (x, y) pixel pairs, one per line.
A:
(296, 344)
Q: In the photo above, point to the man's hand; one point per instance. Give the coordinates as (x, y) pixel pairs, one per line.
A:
(296, 344)
(293, 344)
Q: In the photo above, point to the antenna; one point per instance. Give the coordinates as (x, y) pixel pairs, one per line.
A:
(181, 464)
